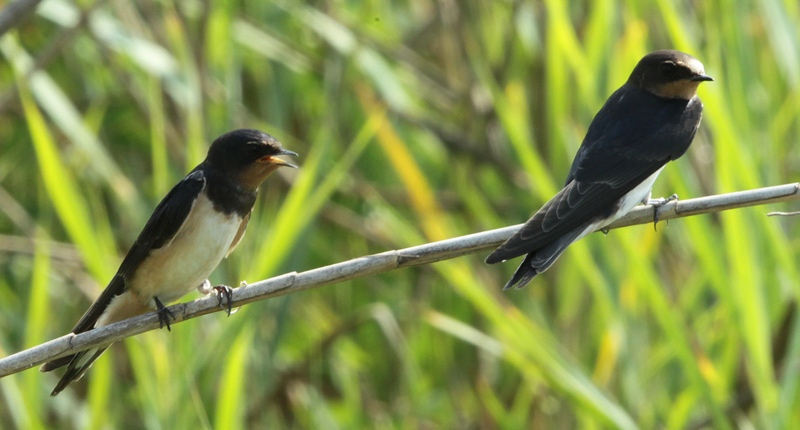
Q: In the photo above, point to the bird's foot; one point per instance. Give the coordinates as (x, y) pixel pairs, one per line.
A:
(604, 231)
(164, 314)
(657, 204)
(224, 294)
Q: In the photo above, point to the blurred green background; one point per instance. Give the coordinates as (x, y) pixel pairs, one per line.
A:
(416, 121)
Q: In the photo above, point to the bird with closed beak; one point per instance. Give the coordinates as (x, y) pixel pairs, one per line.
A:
(646, 123)
(197, 224)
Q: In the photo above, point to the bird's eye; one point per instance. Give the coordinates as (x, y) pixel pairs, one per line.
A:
(668, 67)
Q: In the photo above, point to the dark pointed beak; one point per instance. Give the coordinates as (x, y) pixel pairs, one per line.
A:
(279, 161)
(701, 78)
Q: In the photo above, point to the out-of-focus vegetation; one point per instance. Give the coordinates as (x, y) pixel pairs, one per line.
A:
(416, 121)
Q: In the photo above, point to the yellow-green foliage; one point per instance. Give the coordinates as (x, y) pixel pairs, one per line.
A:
(415, 121)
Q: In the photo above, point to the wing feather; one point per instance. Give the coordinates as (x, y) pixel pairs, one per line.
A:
(162, 226)
(623, 147)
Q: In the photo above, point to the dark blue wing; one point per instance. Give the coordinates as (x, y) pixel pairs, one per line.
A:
(166, 220)
(633, 135)
(632, 131)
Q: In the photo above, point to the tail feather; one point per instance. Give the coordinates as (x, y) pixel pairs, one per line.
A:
(524, 274)
(55, 364)
(539, 260)
(77, 366)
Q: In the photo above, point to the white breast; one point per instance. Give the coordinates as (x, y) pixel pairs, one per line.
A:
(180, 266)
(635, 196)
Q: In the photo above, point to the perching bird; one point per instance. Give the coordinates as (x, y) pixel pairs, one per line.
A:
(646, 123)
(198, 223)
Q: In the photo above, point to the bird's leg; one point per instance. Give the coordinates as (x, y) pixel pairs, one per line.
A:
(224, 293)
(605, 231)
(657, 204)
(164, 314)
(228, 293)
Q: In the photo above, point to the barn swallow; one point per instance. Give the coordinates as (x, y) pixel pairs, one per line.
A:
(197, 224)
(646, 123)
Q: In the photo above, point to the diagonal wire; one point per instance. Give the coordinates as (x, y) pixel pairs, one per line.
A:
(369, 265)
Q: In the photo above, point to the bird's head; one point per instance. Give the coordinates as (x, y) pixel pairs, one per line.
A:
(247, 156)
(671, 74)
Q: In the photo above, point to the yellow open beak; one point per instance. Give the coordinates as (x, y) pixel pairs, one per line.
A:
(272, 159)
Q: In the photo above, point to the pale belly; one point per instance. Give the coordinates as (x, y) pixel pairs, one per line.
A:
(174, 270)
(626, 203)
(635, 196)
